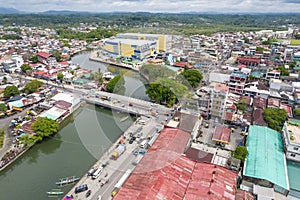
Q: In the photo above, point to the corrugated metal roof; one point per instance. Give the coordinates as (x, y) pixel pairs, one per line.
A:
(266, 159)
(164, 173)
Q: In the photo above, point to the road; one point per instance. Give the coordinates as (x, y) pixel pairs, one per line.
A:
(116, 168)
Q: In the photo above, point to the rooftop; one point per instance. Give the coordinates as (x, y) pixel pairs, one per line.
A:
(130, 41)
(164, 173)
(266, 159)
(221, 134)
(294, 174)
(294, 130)
(238, 74)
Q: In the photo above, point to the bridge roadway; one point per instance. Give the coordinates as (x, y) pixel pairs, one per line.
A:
(126, 104)
(117, 102)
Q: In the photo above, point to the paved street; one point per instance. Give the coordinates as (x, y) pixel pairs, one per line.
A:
(116, 168)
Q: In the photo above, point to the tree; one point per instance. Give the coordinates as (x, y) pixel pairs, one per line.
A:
(98, 76)
(241, 105)
(193, 76)
(44, 127)
(297, 111)
(34, 59)
(240, 153)
(283, 71)
(60, 76)
(57, 55)
(3, 107)
(275, 117)
(166, 91)
(32, 86)
(116, 85)
(10, 91)
(25, 68)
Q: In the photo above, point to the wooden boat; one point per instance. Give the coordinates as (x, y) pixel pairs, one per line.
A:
(68, 180)
(55, 192)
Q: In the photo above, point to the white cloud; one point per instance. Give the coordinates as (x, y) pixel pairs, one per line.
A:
(156, 5)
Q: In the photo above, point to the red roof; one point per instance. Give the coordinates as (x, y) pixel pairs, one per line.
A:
(164, 173)
(221, 134)
(243, 195)
(64, 63)
(44, 55)
(183, 64)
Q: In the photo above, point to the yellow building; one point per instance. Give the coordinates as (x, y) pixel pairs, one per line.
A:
(137, 49)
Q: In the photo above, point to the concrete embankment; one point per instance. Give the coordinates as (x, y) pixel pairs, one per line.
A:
(94, 57)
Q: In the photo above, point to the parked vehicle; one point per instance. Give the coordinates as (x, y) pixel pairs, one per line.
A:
(108, 98)
(88, 193)
(81, 188)
(118, 152)
(144, 144)
(121, 182)
(91, 171)
(97, 173)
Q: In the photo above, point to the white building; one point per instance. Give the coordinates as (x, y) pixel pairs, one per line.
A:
(291, 139)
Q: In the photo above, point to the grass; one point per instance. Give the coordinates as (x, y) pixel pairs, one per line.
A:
(1, 138)
(295, 42)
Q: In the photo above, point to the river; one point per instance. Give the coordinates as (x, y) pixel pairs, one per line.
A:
(133, 81)
(83, 139)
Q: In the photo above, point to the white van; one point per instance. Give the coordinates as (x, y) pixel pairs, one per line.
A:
(97, 173)
(144, 144)
(142, 122)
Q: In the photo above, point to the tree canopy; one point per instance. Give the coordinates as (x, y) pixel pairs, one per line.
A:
(11, 91)
(32, 86)
(166, 91)
(283, 71)
(193, 76)
(25, 68)
(275, 117)
(116, 85)
(44, 127)
(152, 72)
(241, 105)
(240, 153)
(60, 76)
(297, 111)
(3, 107)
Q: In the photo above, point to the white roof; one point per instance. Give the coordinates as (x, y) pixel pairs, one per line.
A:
(64, 96)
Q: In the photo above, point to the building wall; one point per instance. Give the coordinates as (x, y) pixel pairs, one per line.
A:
(292, 150)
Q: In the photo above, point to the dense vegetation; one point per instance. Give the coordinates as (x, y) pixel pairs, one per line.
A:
(11, 91)
(152, 72)
(153, 22)
(166, 91)
(43, 127)
(275, 117)
(116, 85)
(3, 107)
(240, 153)
(1, 137)
(193, 76)
(32, 86)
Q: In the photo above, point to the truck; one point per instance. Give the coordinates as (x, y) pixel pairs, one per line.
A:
(97, 173)
(108, 98)
(118, 152)
(16, 108)
(121, 182)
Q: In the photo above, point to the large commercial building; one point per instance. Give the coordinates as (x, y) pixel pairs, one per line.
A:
(218, 96)
(137, 49)
(266, 163)
(163, 42)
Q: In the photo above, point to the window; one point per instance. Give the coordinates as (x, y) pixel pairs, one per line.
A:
(293, 155)
(296, 148)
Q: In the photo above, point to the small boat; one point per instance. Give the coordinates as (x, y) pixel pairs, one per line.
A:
(54, 193)
(124, 118)
(68, 180)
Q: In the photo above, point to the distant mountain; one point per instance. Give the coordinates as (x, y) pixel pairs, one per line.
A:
(63, 12)
(9, 11)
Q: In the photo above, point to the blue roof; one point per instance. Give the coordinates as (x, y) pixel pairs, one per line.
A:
(237, 74)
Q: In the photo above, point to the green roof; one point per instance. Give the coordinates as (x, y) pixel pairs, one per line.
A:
(257, 74)
(296, 121)
(294, 174)
(266, 159)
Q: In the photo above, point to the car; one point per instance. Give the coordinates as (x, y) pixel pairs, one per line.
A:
(130, 104)
(88, 193)
(99, 197)
(81, 188)
(131, 140)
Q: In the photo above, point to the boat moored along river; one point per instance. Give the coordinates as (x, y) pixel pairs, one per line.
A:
(71, 152)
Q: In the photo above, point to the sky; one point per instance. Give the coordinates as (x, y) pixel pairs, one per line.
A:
(171, 6)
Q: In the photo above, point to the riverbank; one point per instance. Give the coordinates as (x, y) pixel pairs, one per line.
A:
(94, 57)
(14, 151)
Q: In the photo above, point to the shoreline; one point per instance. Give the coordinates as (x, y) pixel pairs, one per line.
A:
(93, 57)
(20, 153)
